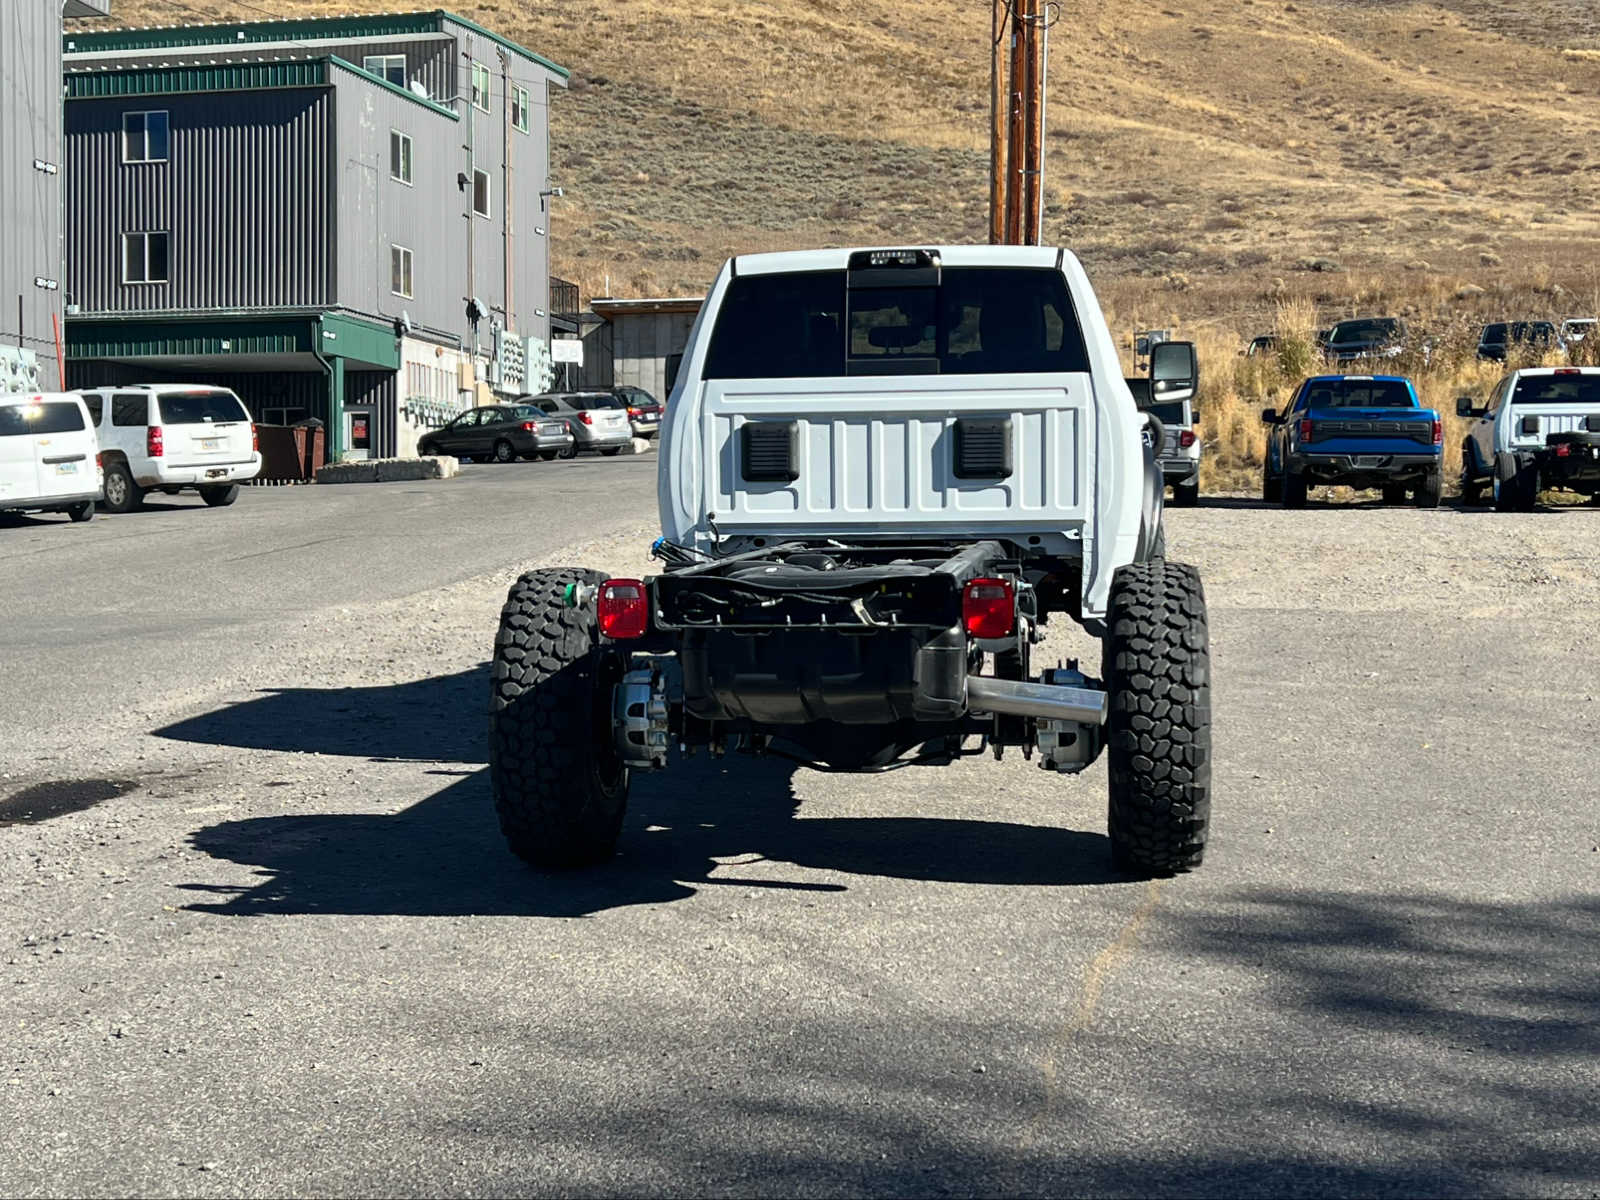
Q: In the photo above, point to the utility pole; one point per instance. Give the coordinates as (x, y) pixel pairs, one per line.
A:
(1033, 123)
(1016, 123)
(1016, 134)
(997, 125)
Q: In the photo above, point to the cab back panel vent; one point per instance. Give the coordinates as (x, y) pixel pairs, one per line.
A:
(769, 451)
(983, 448)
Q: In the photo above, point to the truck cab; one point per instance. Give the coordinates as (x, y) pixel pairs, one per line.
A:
(1358, 431)
(882, 472)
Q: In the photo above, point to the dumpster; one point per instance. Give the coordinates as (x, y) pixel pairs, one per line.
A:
(292, 453)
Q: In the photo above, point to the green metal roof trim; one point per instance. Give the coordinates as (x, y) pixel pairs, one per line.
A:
(226, 77)
(88, 339)
(352, 338)
(379, 25)
(369, 77)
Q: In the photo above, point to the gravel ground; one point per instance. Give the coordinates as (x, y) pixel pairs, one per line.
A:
(286, 952)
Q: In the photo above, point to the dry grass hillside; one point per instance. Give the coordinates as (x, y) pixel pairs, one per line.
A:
(1222, 166)
(1206, 148)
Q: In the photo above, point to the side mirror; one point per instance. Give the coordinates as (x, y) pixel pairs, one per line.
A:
(1466, 407)
(1269, 416)
(1174, 370)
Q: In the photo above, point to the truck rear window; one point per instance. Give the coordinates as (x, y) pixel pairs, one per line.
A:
(1359, 393)
(977, 321)
(194, 408)
(19, 420)
(1557, 389)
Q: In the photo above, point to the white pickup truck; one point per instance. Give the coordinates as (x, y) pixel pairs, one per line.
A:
(1539, 430)
(881, 473)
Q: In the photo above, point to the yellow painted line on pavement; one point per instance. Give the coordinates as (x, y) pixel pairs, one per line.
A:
(1094, 981)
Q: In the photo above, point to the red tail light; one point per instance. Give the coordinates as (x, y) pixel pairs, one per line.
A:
(989, 608)
(154, 442)
(634, 412)
(1438, 432)
(255, 440)
(1186, 438)
(527, 427)
(624, 608)
(99, 462)
(1568, 371)
(1305, 429)
(1563, 450)
(586, 417)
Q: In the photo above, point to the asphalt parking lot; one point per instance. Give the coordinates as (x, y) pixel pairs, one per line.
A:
(272, 943)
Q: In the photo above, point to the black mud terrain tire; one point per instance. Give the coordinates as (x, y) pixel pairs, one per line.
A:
(1271, 487)
(1431, 490)
(1519, 492)
(1186, 495)
(560, 788)
(1293, 489)
(219, 495)
(1157, 669)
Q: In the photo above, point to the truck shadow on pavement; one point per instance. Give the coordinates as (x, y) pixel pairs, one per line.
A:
(427, 720)
(445, 855)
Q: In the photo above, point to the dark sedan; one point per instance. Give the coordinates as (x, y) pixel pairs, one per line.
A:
(644, 410)
(503, 432)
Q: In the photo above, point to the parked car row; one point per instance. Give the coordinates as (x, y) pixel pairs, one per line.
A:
(1371, 339)
(549, 425)
(68, 451)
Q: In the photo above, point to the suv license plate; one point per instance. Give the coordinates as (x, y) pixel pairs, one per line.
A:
(67, 468)
(211, 443)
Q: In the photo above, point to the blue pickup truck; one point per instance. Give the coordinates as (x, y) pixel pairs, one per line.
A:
(1359, 431)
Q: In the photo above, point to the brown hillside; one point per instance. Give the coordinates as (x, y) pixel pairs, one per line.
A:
(1198, 150)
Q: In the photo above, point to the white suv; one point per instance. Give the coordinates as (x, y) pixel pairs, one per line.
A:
(48, 458)
(171, 436)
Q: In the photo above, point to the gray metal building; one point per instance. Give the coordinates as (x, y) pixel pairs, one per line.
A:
(30, 174)
(640, 343)
(348, 217)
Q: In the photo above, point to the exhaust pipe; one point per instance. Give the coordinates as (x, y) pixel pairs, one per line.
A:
(1048, 701)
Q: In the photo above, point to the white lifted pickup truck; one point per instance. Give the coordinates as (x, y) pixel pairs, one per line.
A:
(881, 473)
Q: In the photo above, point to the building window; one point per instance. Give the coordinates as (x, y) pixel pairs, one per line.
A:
(480, 87)
(400, 271)
(144, 137)
(144, 258)
(399, 156)
(480, 193)
(391, 68)
(519, 108)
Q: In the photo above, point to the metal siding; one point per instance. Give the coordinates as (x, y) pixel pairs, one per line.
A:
(643, 342)
(30, 128)
(376, 212)
(244, 196)
(431, 62)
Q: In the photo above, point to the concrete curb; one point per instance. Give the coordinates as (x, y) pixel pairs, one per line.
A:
(390, 470)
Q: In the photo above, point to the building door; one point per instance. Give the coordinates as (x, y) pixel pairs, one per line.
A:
(357, 434)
